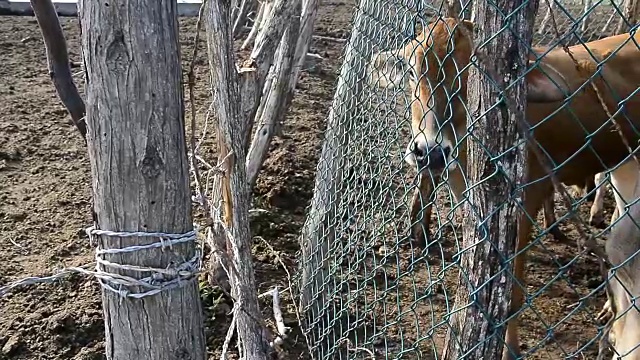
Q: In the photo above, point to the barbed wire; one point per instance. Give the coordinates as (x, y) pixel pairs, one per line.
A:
(172, 277)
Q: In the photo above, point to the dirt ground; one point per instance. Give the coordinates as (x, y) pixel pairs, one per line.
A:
(45, 205)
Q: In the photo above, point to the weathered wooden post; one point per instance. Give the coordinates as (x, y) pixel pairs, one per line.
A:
(137, 149)
(489, 232)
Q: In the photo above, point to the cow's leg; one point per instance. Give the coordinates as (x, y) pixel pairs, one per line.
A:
(458, 185)
(589, 185)
(534, 196)
(596, 217)
(615, 215)
(421, 196)
(548, 211)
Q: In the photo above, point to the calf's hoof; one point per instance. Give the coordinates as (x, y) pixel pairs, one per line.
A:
(597, 221)
(514, 354)
(419, 236)
(558, 235)
(605, 314)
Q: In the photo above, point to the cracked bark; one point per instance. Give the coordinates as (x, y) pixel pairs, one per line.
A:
(137, 150)
(483, 292)
(234, 99)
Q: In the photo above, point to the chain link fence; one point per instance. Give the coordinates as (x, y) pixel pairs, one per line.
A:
(580, 21)
(368, 289)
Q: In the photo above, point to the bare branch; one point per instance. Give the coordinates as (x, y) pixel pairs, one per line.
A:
(245, 7)
(257, 25)
(330, 38)
(630, 16)
(277, 315)
(58, 60)
(309, 15)
(273, 103)
(279, 96)
(268, 39)
(261, 60)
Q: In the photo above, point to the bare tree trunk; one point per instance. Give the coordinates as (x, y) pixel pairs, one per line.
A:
(272, 116)
(231, 112)
(263, 10)
(631, 16)
(307, 21)
(137, 148)
(58, 60)
(484, 289)
(272, 105)
(267, 41)
(241, 18)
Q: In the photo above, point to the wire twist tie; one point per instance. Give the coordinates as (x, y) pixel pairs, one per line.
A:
(174, 276)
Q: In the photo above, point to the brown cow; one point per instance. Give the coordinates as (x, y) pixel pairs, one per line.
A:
(557, 128)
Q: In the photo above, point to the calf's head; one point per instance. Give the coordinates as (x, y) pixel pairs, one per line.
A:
(436, 64)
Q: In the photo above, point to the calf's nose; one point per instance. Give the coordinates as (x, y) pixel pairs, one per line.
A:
(433, 157)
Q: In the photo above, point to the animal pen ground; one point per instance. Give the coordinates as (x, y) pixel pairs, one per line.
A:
(45, 205)
(45, 190)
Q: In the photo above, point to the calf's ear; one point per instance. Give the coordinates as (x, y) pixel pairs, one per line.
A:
(387, 69)
(468, 24)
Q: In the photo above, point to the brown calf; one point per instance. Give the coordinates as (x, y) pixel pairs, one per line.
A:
(562, 130)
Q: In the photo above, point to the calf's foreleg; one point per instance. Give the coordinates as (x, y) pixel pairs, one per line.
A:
(421, 202)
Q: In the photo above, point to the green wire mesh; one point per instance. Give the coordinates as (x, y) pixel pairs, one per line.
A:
(366, 291)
